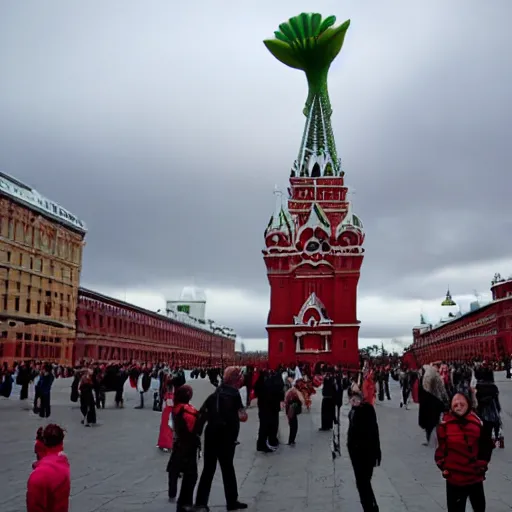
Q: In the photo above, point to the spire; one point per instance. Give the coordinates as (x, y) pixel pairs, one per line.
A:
(281, 220)
(448, 301)
(309, 43)
(318, 156)
(278, 195)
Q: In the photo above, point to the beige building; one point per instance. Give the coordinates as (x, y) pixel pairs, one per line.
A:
(40, 261)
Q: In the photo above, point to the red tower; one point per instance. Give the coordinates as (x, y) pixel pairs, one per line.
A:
(313, 256)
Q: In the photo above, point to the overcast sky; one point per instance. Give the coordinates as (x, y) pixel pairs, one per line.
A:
(165, 126)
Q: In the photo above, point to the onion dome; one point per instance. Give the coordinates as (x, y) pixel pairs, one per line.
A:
(281, 228)
(350, 231)
(448, 301)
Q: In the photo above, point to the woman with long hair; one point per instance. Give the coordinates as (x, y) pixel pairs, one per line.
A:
(489, 407)
(433, 401)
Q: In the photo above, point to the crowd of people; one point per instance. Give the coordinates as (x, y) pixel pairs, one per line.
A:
(459, 406)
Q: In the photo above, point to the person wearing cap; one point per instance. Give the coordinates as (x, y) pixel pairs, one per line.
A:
(463, 455)
(363, 444)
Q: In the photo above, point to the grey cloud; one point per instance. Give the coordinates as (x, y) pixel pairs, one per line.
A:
(166, 130)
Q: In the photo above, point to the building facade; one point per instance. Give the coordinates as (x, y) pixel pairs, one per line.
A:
(484, 333)
(112, 330)
(313, 243)
(45, 316)
(40, 261)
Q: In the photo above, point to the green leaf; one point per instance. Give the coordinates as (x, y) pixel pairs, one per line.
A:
(296, 26)
(316, 20)
(283, 53)
(281, 37)
(332, 40)
(328, 22)
(306, 25)
(287, 31)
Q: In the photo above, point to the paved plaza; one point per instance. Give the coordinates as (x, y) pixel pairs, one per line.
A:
(116, 466)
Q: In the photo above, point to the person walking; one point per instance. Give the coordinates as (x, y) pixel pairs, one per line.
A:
(222, 413)
(44, 388)
(294, 401)
(185, 450)
(328, 410)
(363, 444)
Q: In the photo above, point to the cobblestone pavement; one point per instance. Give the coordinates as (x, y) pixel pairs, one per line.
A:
(116, 467)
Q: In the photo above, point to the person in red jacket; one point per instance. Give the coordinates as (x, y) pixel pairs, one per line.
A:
(49, 484)
(462, 455)
(185, 450)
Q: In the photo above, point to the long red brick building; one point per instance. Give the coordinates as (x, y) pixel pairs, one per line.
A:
(46, 315)
(109, 329)
(484, 333)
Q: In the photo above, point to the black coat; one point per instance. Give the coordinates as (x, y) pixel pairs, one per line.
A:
(363, 441)
(220, 414)
(269, 390)
(489, 407)
(340, 386)
(328, 389)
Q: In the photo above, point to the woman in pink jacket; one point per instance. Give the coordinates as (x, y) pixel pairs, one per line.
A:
(49, 484)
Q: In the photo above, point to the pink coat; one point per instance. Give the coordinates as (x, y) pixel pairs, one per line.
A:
(49, 484)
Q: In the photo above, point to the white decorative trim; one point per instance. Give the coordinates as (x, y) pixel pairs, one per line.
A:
(309, 351)
(299, 334)
(315, 222)
(313, 302)
(314, 263)
(294, 326)
(284, 254)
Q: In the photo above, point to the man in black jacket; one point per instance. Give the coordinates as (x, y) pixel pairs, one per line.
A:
(328, 414)
(269, 390)
(363, 443)
(222, 412)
